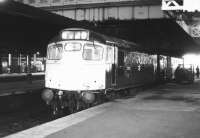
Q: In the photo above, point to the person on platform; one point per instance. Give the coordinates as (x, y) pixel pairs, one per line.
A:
(197, 71)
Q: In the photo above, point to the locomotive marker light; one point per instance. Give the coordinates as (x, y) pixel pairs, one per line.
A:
(47, 95)
(1, 1)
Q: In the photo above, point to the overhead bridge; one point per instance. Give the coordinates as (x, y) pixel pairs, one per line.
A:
(26, 28)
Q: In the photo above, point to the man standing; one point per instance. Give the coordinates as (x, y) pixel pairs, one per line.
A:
(197, 72)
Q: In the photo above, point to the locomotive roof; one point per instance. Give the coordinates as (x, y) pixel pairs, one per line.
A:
(112, 40)
(94, 36)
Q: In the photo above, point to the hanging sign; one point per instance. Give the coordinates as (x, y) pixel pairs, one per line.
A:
(184, 5)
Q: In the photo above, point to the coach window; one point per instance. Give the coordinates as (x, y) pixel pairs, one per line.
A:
(92, 52)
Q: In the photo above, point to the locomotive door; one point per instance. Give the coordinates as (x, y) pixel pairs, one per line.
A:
(111, 66)
(114, 69)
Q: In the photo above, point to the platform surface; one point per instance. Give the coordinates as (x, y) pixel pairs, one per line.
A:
(167, 111)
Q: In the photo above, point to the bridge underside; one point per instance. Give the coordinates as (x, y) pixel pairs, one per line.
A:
(29, 29)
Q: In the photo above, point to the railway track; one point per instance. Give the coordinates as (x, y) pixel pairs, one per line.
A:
(28, 117)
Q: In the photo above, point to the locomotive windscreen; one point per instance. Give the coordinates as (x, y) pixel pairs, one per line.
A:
(92, 52)
(54, 52)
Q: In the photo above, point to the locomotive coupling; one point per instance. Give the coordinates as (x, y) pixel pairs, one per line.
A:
(47, 95)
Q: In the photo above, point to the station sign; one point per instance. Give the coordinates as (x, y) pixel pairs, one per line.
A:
(172, 4)
(184, 5)
(195, 30)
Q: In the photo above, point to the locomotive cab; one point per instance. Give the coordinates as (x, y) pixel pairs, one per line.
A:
(75, 64)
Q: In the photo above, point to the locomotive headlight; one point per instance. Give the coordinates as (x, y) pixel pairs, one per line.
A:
(47, 95)
(60, 93)
(88, 97)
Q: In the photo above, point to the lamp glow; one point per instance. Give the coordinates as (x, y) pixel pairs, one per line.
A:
(192, 59)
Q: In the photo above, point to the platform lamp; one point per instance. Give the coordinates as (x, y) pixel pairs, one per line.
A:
(35, 55)
(9, 62)
(2, 1)
(20, 63)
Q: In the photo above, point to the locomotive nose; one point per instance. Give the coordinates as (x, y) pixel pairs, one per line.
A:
(47, 95)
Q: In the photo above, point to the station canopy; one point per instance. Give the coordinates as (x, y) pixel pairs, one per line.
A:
(156, 36)
(28, 29)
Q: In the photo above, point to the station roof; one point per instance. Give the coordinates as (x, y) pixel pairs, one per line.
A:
(162, 36)
(26, 28)
(30, 29)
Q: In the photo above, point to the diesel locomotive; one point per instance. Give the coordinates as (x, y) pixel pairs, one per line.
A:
(83, 65)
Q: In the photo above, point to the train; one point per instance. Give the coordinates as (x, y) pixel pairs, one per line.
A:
(83, 65)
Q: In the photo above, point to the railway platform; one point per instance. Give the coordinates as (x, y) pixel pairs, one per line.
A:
(166, 111)
(20, 83)
(20, 89)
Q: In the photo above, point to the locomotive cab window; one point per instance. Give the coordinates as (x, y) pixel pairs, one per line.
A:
(92, 52)
(54, 52)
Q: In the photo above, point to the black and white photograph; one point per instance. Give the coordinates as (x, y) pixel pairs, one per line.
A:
(100, 68)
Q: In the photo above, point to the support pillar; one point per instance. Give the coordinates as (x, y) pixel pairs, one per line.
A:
(158, 69)
(28, 64)
(1, 67)
(34, 62)
(9, 62)
(19, 63)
